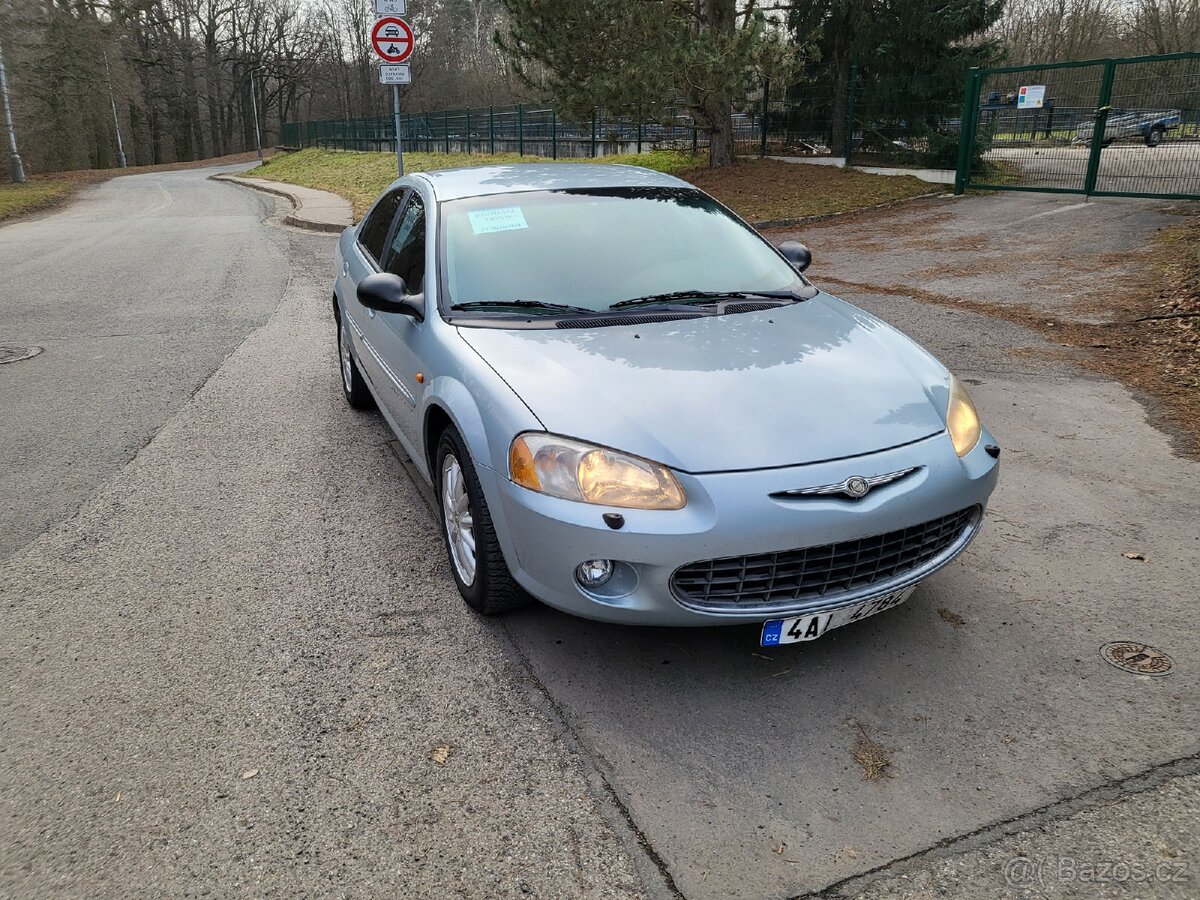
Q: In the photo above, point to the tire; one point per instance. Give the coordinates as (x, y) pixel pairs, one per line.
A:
(353, 386)
(1155, 136)
(488, 587)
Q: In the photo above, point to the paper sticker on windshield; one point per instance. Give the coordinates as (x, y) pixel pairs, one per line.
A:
(486, 221)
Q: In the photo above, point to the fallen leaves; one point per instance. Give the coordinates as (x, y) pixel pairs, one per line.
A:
(248, 774)
(440, 754)
(1133, 554)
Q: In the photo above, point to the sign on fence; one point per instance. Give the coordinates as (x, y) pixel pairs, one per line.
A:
(392, 39)
(395, 74)
(1031, 96)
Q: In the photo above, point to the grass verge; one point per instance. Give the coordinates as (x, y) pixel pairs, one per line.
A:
(759, 190)
(35, 194)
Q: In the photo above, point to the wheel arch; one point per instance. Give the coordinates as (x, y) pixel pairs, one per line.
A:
(448, 402)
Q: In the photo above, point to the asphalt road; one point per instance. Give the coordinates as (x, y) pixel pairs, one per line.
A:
(227, 671)
(1128, 165)
(136, 292)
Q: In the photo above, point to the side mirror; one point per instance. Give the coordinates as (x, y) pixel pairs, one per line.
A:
(385, 292)
(796, 253)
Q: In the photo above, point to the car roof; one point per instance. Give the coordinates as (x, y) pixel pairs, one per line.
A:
(482, 181)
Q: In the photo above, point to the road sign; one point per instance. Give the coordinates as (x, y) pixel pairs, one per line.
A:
(1031, 96)
(392, 39)
(390, 73)
(390, 7)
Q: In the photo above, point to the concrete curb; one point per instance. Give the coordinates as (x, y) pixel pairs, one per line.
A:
(296, 218)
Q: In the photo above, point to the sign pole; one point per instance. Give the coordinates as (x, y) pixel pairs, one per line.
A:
(399, 141)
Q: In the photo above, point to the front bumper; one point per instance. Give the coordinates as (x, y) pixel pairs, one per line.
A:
(731, 514)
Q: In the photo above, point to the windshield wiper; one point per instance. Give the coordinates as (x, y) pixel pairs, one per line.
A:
(690, 297)
(521, 304)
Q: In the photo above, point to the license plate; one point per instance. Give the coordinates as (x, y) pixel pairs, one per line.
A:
(809, 628)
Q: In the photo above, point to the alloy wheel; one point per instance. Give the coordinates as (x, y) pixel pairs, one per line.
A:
(347, 359)
(457, 519)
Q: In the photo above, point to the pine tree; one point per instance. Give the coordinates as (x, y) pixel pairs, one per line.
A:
(637, 57)
(889, 39)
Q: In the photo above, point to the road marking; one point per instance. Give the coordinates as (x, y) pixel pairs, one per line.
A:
(1051, 212)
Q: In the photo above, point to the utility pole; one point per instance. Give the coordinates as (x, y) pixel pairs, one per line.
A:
(116, 124)
(254, 109)
(16, 167)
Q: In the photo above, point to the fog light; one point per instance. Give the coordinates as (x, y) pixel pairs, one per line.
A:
(594, 572)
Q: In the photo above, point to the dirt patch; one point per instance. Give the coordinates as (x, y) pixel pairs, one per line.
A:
(953, 619)
(873, 758)
(769, 190)
(1151, 341)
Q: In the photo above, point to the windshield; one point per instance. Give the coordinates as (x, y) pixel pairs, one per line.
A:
(589, 249)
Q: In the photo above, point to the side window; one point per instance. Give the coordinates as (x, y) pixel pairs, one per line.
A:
(374, 231)
(407, 255)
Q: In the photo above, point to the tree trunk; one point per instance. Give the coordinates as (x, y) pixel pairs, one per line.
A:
(718, 111)
(843, 49)
(718, 104)
(212, 83)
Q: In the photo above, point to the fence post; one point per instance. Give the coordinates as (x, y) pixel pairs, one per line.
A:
(1102, 108)
(967, 129)
(468, 130)
(492, 129)
(695, 138)
(766, 113)
(639, 139)
(553, 132)
(849, 148)
(593, 132)
(520, 129)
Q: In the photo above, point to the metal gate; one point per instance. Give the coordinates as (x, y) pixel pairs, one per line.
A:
(1110, 127)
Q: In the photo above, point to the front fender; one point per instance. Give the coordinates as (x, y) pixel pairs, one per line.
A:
(488, 415)
(484, 409)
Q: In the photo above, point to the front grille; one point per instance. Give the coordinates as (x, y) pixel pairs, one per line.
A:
(816, 573)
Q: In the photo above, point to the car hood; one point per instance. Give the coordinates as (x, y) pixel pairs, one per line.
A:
(809, 382)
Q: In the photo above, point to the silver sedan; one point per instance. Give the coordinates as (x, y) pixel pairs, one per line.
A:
(633, 408)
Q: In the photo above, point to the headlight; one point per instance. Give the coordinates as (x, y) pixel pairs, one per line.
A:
(572, 470)
(961, 419)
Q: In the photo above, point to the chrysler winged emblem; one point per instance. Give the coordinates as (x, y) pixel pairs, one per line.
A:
(855, 487)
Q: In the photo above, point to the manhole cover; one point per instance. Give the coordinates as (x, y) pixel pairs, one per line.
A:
(13, 353)
(1140, 659)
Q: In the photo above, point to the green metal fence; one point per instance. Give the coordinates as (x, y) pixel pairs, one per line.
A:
(905, 120)
(524, 129)
(1107, 127)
